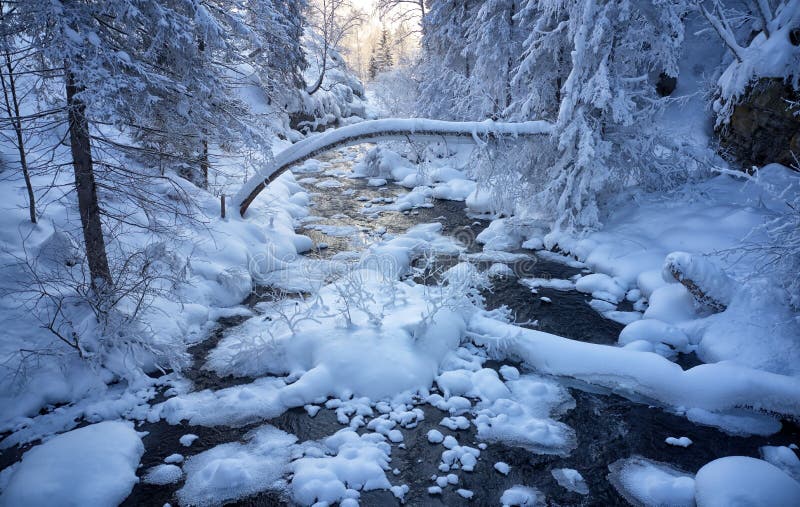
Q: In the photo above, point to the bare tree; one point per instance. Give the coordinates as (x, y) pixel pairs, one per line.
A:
(409, 12)
(331, 21)
(11, 98)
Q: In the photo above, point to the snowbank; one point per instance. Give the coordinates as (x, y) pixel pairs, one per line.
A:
(705, 232)
(235, 470)
(94, 465)
(713, 387)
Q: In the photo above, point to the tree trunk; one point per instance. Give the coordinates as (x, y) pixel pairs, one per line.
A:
(12, 108)
(85, 185)
(204, 163)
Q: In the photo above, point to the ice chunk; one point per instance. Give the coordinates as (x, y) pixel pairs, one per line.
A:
(571, 480)
(645, 482)
(522, 496)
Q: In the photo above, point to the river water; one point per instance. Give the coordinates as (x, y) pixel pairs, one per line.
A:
(608, 426)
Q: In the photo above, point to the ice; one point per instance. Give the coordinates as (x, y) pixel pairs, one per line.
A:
(571, 480)
(235, 470)
(93, 465)
(347, 464)
(740, 480)
(650, 483)
(163, 474)
(679, 442)
(522, 496)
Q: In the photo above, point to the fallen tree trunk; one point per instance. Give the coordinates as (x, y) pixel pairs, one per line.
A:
(382, 130)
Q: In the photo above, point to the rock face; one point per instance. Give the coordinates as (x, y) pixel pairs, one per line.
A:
(764, 128)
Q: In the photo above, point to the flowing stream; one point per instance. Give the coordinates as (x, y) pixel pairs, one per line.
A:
(608, 427)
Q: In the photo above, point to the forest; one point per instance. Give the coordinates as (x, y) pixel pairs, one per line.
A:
(400, 252)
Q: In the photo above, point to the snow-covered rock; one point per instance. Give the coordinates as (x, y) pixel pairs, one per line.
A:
(741, 480)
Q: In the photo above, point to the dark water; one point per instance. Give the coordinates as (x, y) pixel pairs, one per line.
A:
(608, 426)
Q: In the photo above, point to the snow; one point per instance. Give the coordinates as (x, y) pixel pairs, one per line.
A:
(235, 470)
(92, 465)
(435, 437)
(601, 286)
(455, 423)
(570, 479)
(711, 387)
(646, 482)
(522, 496)
(346, 464)
(188, 439)
(698, 234)
(547, 283)
(741, 480)
(523, 417)
(679, 442)
(160, 475)
(783, 458)
(502, 467)
(465, 493)
(509, 372)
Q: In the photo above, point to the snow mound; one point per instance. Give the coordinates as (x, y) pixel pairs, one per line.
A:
(346, 464)
(522, 496)
(235, 470)
(523, 418)
(163, 474)
(644, 482)
(740, 480)
(94, 465)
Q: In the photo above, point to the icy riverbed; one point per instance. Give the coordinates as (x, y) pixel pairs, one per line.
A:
(560, 424)
(373, 371)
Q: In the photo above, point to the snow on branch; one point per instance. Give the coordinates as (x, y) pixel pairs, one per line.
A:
(383, 130)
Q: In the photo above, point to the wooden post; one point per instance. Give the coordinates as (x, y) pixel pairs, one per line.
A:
(222, 206)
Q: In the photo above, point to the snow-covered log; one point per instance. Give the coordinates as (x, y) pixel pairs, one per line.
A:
(709, 285)
(383, 130)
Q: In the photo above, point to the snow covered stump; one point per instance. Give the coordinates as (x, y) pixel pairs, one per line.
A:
(705, 281)
(477, 132)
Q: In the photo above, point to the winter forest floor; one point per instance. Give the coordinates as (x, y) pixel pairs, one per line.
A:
(414, 355)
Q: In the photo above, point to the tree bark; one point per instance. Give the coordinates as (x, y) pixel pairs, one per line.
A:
(85, 185)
